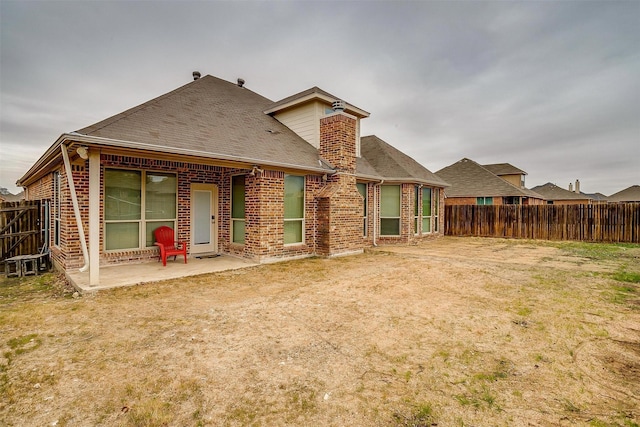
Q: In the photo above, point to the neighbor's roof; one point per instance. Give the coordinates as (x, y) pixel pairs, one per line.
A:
(631, 194)
(470, 179)
(553, 192)
(597, 197)
(504, 169)
(9, 197)
(382, 161)
(315, 93)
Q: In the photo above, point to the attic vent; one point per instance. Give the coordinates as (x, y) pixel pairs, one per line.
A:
(240, 82)
(338, 105)
(196, 75)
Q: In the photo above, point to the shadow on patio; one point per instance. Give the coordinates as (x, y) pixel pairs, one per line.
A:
(134, 274)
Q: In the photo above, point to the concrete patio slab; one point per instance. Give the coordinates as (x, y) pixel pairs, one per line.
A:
(135, 274)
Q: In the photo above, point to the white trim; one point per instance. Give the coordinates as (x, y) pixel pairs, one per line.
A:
(76, 208)
(94, 217)
(49, 155)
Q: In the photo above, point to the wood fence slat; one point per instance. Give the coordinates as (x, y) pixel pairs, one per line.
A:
(20, 230)
(613, 222)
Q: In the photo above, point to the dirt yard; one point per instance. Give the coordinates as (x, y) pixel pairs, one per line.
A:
(453, 332)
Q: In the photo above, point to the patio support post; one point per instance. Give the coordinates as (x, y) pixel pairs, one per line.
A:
(94, 217)
(76, 209)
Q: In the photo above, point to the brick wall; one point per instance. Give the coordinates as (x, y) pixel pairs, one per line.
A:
(340, 205)
(333, 205)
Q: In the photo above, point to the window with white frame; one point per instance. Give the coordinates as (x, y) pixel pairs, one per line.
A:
(390, 210)
(362, 189)
(237, 209)
(426, 210)
(416, 209)
(57, 203)
(293, 209)
(484, 201)
(135, 204)
(436, 209)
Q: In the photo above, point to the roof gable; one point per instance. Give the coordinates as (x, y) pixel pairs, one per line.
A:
(503, 169)
(312, 94)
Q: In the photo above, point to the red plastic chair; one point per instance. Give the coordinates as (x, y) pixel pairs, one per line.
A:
(168, 246)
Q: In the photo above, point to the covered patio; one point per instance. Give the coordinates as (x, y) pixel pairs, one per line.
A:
(135, 274)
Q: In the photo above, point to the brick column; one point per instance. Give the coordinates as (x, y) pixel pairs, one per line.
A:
(264, 214)
(340, 205)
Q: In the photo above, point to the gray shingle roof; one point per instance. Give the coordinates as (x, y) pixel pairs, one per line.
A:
(504, 169)
(391, 164)
(470, 179)
(553, 192)
(216, 119)
(630, 194)
(213, 116)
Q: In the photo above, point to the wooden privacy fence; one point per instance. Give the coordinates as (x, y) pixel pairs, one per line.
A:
(615, 222)
(21, 228)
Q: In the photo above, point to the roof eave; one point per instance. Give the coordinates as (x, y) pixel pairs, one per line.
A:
(413, 180)
(352, 109)
(53, 152)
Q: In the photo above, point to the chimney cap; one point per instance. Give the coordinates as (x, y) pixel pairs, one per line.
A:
(196, 75)
(240, 82)
(338, 105)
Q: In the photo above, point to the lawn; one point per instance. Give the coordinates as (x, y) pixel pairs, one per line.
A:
(451, 332)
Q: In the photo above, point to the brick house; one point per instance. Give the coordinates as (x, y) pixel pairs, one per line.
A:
(231, 172)
(628, 195)
(493, 184)
(555, 195)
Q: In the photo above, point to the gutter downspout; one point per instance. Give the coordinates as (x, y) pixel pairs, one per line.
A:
(76, 209)
(375, 209)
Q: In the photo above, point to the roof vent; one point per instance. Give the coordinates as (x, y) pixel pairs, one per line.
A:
(338, 105)
(196, 75)
(240, 82)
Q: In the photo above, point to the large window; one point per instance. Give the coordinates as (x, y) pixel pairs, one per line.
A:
(57, 203)
(436, 209)
(390, 210)
(135, 204)
(237, 209)
(416, 209)
(426, 210)
(484, 200)
(362, 189)
(511, 200)
(293, 209)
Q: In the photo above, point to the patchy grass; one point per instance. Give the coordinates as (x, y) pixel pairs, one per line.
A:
(599, 251)
(478, 332)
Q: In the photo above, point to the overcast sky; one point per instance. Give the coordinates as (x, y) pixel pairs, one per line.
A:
(550, 87)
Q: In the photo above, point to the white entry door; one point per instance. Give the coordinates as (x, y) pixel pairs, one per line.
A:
(204, 218)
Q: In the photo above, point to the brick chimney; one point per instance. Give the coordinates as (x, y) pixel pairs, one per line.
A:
(338, 141)
(340, 205)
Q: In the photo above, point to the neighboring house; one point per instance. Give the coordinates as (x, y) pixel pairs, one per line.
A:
(508, 172)
(496, 184)
(559, 196)
(628, 195)
(6, 196)
(231, 172)
(597, 198)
